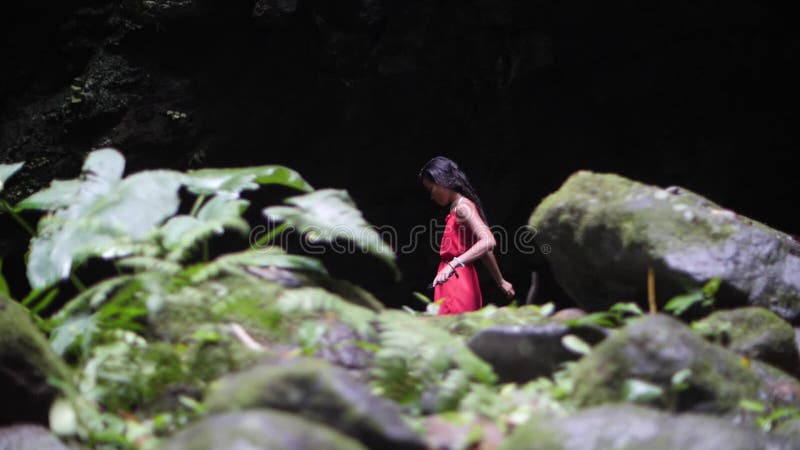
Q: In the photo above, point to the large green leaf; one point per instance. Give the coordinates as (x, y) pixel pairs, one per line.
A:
(235, 180)
(330, 215)
(106, 219)
(101, 172)
(6, 170)
(53, 252)
(60, 194)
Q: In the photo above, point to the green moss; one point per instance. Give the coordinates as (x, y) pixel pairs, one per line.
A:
(746, 325)
(653, 349)
(538, 433)
(754, 332)
(21, 340)
(638, 213)
(468, 324)
(259, 429)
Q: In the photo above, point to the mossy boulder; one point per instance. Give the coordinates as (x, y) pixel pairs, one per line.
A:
(258, 430)
(632, 427)
(320, 392)
(754, 332)
(26, 362)
(278, 319)
(789, 429)
(653, 350)
(520, 353)
(605, 231)
(779, 386)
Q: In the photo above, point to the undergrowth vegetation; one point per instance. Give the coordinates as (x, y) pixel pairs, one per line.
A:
(144, 343)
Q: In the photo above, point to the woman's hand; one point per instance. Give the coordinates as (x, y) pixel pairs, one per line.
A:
(507, 288)
(443, 275)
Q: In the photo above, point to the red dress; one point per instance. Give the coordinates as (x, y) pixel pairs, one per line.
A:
(460, 294)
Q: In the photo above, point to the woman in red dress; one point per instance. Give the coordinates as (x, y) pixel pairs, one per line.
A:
(466, 239)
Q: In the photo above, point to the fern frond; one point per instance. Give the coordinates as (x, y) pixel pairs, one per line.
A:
(95, 295)
(149, 263)
(437, 363)
(233, 263)
(314, 300)
(189, 232)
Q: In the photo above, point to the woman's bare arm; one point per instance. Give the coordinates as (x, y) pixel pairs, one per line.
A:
(491, 265)
(467, 214)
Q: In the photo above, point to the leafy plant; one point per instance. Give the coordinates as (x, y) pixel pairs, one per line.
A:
(703, 297)
(330, 215)
(616, 316)
(102, 214)
(767, 419)
(133, 222)
(424, 367)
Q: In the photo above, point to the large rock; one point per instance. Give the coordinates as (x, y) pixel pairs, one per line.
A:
(606, 230)
(320, 392)
(26, 362)
(637, 428)
(753, 332)
(790, 429)
(258, 430)
(523, 353)
(655, 348)
(29, 437)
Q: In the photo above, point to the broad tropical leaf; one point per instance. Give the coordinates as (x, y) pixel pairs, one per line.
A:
(235, 180)
(104, 216)
(60, 194)
(101, 171)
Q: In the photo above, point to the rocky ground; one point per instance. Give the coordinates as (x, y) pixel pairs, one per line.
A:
(258, 356)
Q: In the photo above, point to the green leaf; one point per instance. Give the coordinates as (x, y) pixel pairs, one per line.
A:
(105, 221)
(65, 334)
(640, 391)
(235, 180)
(106, 165)
(3, 283)
(329, 215)
(60, 194)
(140, 202)
(222, 209)
(630, 308)
(710, 289)
(95, 295)
(680, 304)
(144, 263)
(547, 309)
(175, 233)
(603, 319)
(7, 170)
(576, 345)
(422, 297)
(680, 378)
(181, 233)
(751, 405)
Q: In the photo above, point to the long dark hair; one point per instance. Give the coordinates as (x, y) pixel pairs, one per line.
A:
(445, 172)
